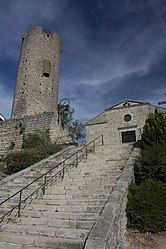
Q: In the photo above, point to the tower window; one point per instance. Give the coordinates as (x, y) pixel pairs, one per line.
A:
(46, 69)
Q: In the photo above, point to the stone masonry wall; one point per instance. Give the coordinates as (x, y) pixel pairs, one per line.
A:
(11, 131)
(111, 123)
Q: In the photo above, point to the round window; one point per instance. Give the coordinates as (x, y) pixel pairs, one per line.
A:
(127, 117)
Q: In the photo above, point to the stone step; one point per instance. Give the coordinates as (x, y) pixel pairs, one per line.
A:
(82, 188)
(77, 196)
(56, 243)
(39, 241)
(97, 178)
(58, 215)
(96, 171)
(83, 202)
(89, 182)
(4, 245)
(94, 174)
(46, 227)
(64, 208)
(17, 238)
(89, 174)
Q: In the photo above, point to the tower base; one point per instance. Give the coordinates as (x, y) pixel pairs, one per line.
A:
(13, 130)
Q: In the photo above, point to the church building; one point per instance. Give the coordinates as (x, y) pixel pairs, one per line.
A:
(121, 123)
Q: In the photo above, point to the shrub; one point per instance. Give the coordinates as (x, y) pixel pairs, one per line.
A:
(35, 147)
(146, 207)
(151, 164)
(34, 140)
(20, 160)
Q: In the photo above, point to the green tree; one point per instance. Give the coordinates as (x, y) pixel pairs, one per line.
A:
(76, 128)
(65, 113)
(154, 131)
(152, 162)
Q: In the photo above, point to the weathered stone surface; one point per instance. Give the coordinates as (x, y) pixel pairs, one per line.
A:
(108, 231)
(111, 122)
(65, 215)
(37, 90)
(10, 130)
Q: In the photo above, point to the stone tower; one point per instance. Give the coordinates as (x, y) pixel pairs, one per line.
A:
(38, 74)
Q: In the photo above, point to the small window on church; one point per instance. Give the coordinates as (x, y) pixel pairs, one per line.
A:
(128, 137)
(46, 70)
(127, 117)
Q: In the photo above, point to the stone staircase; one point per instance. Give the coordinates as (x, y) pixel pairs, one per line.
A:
(14, 183)
(64, 216)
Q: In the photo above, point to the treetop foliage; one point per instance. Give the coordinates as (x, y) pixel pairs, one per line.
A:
(76, 128)
(154, 131)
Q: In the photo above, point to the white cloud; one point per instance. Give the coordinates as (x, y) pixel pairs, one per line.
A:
(19, 16)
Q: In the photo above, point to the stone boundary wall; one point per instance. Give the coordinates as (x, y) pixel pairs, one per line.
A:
(12, 130)
(109, 230)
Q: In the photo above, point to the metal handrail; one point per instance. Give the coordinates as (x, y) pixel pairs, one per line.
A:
(46, 181)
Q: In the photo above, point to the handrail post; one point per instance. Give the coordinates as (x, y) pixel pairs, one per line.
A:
(86, 151)
(44, 186)
(63, 171)
(19, 205)
(94, 145)
(77, 159)
(102, 140)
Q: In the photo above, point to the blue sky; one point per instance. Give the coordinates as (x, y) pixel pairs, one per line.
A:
(111, 49)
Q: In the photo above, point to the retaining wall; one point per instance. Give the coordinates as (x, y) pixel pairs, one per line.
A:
(12, 130)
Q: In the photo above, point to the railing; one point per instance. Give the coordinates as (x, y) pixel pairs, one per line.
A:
(46, 179)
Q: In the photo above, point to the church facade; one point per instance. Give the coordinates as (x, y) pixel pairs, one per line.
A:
(122, 123)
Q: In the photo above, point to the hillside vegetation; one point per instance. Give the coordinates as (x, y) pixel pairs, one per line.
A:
(146, 207)
(35, 147)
